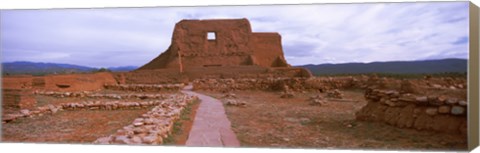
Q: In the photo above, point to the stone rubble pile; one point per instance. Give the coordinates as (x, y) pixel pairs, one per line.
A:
(145, 87)
(329, 83)
(230, 95)
(152, 127)
(230, 100)
(335, 94)
(317, 100)
(287, 94)
(446, 83)
(234, 102)
(406, 110)
(85, 94)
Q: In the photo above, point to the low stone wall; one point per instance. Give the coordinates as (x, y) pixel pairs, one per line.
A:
(152, 127)
(90, 105)
(275, 84)
(145, 87)
(406, 110)
(98, 95)
(248, 84)
(329, 83)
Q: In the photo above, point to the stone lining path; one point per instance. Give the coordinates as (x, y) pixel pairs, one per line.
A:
(211, 127)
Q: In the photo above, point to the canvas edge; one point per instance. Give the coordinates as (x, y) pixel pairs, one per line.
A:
(473, 78)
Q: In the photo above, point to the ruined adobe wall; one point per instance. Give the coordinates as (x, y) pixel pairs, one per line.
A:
(161, 76)
(267, 50)
(190, 39)
(234, 45)
(17, 82)
(16, 99)
(17, 92)
(63, 82)
(157, 76)
(78, 82)
(441, 111)
(231, 45)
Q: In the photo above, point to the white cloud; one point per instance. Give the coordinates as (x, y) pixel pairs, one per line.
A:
(311, 34)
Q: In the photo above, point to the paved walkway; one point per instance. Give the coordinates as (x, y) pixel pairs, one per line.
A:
(211, 127)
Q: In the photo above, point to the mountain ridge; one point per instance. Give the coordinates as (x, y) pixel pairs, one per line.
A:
(393, 67)
(42, 68)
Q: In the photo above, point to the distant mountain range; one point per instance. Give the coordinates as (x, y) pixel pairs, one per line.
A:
(122, 68)
(396, 67)
(34, 68)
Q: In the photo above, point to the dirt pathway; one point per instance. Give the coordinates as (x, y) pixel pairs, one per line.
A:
(211, 127)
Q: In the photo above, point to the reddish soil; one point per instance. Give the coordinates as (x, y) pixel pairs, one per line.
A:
(270, 121)
(69, 126)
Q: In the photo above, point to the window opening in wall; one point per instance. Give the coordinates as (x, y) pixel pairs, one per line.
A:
(211, 36)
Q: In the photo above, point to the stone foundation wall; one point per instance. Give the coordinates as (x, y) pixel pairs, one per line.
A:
(145, 87)
(151, 128)
(248, 84)
(277, 83)
(97, 95)
(87, 105)
(438, 113)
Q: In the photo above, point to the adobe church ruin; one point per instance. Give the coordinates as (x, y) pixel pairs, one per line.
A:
(224, 48)
(214, 43)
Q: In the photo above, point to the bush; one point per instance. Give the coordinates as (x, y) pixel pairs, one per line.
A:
(103, 70)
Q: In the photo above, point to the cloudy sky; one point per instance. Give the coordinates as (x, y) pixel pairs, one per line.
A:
(311, 34)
